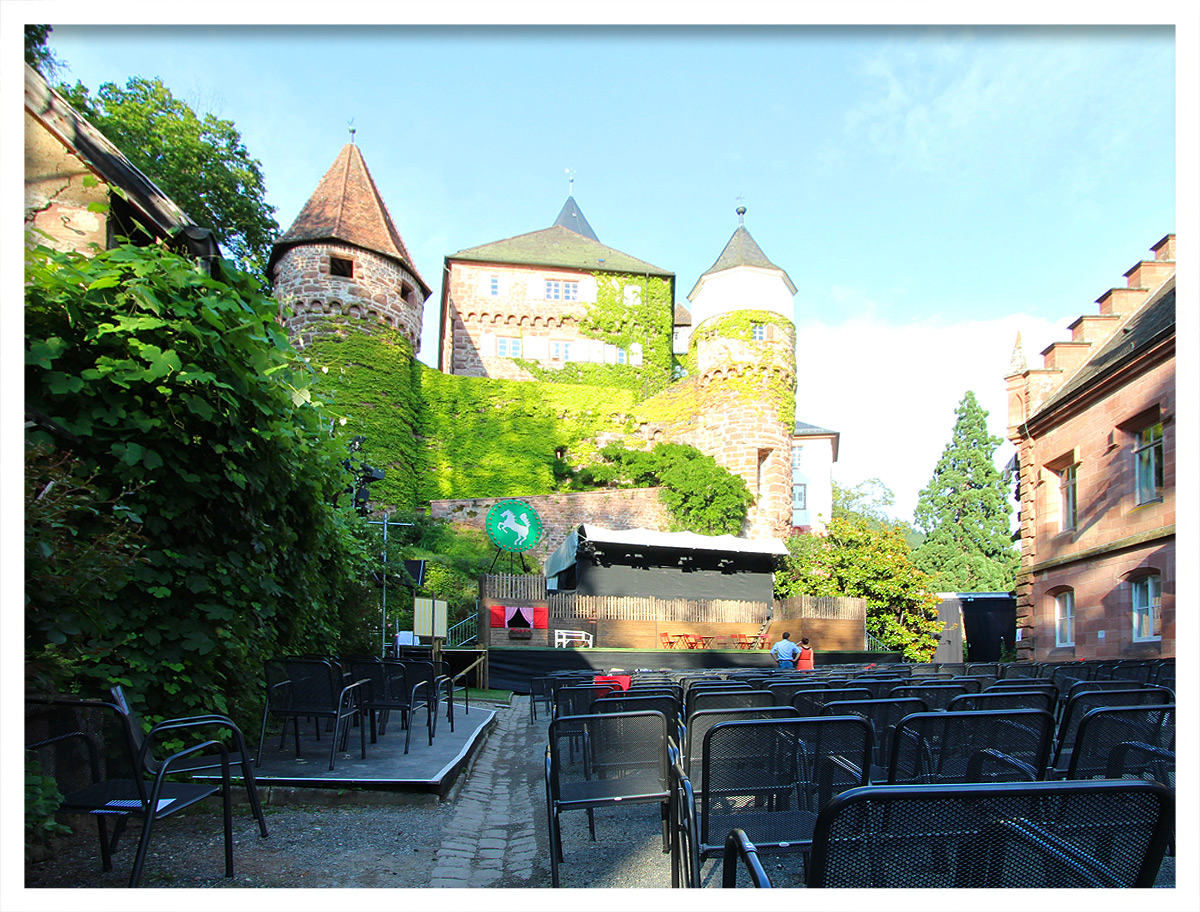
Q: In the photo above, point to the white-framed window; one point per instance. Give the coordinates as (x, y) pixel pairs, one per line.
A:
(1064, 618)
(758, 332)
(494, 285)
(570, 291)
(1147, 608)
(622, 356)
(557, 290)
(632, 295)
(1148, 463)
(508, 346)
(553, 290)
(556, 350)
(1068, 497)
(799, 497)
(797, 455)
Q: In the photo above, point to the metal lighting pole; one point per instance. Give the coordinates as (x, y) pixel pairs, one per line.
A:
(385, 522)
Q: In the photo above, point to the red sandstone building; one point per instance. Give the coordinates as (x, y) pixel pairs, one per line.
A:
(1095, 431)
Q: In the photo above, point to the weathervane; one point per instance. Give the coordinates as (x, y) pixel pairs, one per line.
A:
(570, 181)
(350, 124)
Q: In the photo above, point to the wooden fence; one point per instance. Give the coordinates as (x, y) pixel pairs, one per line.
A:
(825, 608)
(512, 586)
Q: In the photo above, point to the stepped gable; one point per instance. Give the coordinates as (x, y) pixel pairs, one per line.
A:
(742, 250)
(347, 207)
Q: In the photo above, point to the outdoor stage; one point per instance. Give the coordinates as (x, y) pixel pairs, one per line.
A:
(513, 668)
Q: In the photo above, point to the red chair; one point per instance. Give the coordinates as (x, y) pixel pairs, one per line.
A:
(693, 641)
(740, 641)
(667, 642)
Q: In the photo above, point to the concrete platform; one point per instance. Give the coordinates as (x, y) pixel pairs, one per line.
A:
(425, 768)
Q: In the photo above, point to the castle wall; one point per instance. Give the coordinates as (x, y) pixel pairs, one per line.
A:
(57, 196)
(380, 288)
(631, 508)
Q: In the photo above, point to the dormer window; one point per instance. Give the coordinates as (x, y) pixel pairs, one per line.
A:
(340, 266)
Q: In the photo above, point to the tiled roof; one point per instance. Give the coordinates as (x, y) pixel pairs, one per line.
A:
(811, 430)
(571, 216)
(347, 207)
(1153, 321)
(742, 250)
(558, 247)
(683, 316)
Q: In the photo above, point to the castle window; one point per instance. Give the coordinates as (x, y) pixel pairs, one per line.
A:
(1148, 464)
(340, 266)
(1067, 487)
(1147, 608)
(797, 455)
(622, 357)
(561, 291)
(758, 332)
(494, 285)
(799, 497)
(508, 346)
(570, 291)
(1064, 618)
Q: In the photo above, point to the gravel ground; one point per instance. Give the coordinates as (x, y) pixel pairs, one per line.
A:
(489, 832)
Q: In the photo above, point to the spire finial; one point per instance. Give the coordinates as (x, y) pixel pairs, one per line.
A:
(570, 181)
(350, 124)
(741, 214)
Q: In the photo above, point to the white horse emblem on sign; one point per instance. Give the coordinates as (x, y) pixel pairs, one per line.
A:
(519, 528)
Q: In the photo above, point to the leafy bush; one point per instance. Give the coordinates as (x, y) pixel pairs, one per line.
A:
(700, 495)
(183, 404)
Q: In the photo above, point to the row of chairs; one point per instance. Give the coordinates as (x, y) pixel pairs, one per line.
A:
(353, 692)
(773, 791)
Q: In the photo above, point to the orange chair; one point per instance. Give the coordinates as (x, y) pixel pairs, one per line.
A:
(693, 641)
(667, 642)
(740, 641)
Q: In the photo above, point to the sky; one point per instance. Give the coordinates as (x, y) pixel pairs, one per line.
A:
(931, 190)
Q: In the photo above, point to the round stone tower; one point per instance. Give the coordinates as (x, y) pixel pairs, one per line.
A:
(343, 257)
(744, 349)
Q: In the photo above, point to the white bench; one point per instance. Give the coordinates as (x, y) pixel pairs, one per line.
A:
(567, 637)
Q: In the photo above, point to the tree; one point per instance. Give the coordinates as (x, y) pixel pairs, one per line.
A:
(37, 51)
(854, 560)
(200, 162)
(869, 500)
(965, 509)
(188, 414)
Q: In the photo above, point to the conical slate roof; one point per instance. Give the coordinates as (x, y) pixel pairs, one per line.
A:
(742, 250)
(347, 207)
(570, 216)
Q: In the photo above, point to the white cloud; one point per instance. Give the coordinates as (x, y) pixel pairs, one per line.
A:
(891, 390)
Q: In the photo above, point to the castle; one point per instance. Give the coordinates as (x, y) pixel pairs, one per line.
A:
(558, 305)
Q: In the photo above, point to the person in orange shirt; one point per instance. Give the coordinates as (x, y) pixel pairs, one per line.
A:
(804, 661)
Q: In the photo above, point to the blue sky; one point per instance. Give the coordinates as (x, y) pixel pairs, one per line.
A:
(931, 190)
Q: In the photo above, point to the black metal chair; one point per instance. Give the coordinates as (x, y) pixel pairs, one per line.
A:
(632, 701)
(705, 700)
(1002, 746)
(1079, 705)
(86, 748)
(541, 695)
(768, 778)
(1115, 742)
(703, 720)
(883, 715)
(237, 757)
(386, 690)
(936, 696)
(1024, 835)
(313, 689)
(605, 759)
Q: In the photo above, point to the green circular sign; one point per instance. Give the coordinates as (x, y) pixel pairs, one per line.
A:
(513, 525)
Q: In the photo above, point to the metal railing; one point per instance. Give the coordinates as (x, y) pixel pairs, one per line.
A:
(465, 631)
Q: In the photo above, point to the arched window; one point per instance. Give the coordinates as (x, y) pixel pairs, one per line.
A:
(1147, 607)
(1064, 617)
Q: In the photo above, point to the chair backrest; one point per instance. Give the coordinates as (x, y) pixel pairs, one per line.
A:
(1006, 745)
(315, 684)
(751, 771)
(608, 755)
(577, 699)
(700, 723)
(279, 691)
(1007, 698)
(811, 702)
(699, 701)
(630, 701)
(936, 696)
(1075, 708)
(1025, 835)
(883, 716)
(1114, 742)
